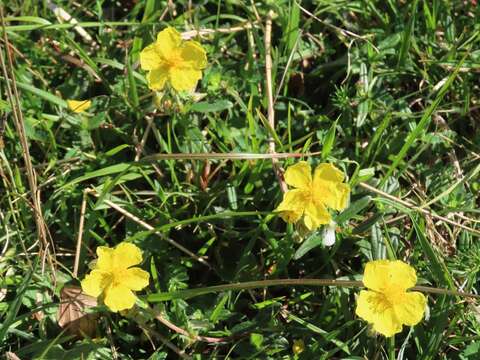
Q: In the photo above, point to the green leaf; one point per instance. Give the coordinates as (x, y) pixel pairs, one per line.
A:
(353, 209)
(310, 243)
(256, 340)
(206, 107)
(109, 170)
(329, 140)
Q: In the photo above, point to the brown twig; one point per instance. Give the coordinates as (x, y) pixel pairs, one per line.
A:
(270, 108)
(140, 146)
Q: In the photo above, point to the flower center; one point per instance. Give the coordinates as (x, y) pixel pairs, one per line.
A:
(385, 299)
(174, 60)
(115, 277)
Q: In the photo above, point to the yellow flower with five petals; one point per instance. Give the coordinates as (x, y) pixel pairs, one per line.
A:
(310, 198)
(387, 304)
(114, 277)
(172, 60)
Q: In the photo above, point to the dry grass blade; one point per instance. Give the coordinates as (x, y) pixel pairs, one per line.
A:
(185, 333)
(186, 35)
(419, 209)
(270, 109)
(151, 228)
(14, 99)
(224, 156)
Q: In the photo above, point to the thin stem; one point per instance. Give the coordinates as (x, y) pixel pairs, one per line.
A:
(190, 293)
(391, 348)
(186, 294)
(439, 291)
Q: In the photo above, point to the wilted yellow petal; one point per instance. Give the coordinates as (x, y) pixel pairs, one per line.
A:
(95, 282)
(125, 255)
(150, 58)
(135, 278)
(184, 79)
(119, 298)
(382, 274)
(193, 55)
(299, 176)
(157, 78)
(316, 215)
(78, 106)
(411, 308)
(168, 40)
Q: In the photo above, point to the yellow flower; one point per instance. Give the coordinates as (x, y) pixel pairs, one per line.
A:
(311, 197)
(115, 278)
(174, 60)
(388, 305)
(78, 106)
(298, 346)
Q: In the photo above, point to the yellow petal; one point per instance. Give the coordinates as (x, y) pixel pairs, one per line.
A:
(298, 346)
(365, 308)
(78, 106)
(168, 40)
(373, 308)
(150, 58)
(157, 78)
(382, 274)
(299, 175)
(135, 279)
(184, 79)
(328, 172)
(95, 282)
(411, 308)
(293, 205)
(316, 215)
(125, 255)
(342, 195)
(328, 187)
(105, 258)
(119, 298)
(193, 55)
(387, 323)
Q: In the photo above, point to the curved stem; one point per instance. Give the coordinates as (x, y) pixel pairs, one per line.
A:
(190, 293)
(434, 290)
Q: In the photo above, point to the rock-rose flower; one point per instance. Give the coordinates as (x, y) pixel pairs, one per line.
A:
(312, 197)
(114, 277)
(170, 59)
(387, 304)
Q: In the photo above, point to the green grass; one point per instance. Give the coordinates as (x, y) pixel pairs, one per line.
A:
(386, 90)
